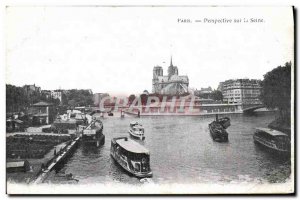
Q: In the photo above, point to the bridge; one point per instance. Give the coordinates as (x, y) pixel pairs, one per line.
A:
(248, 108)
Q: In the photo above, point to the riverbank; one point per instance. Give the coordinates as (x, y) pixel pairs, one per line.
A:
(36, 148)
(35, 167)
(58, 158)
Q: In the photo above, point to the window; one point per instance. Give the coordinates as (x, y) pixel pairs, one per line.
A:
(137, 167)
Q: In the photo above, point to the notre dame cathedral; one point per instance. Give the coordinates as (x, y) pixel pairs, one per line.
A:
(172, 84)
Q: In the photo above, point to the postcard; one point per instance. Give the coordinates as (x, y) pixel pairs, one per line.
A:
(166, 100)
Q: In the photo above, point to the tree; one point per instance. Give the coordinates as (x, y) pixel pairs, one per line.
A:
(64, 98)
(16, 99)
(276, 90)
(217, 95)
(55, 102)
(77, 98)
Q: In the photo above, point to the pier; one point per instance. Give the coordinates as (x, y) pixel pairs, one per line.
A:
(56, 160)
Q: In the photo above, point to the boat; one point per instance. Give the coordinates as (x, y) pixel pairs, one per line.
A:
(217, 129)
(131, 156)
(136, 131)
(273, 140)
(93, 133)
(218, 132)
(224, 121)
(110, 114)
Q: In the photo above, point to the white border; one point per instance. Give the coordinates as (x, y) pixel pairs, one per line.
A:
(113, 2)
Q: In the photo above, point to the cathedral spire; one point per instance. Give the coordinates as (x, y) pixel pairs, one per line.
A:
(171, 62)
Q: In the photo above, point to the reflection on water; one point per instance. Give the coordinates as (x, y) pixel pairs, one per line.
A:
(182, 151)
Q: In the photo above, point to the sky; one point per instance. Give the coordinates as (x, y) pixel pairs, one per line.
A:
(114, 49)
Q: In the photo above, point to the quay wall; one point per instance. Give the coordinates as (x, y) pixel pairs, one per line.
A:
(57, 159)
(186, 110)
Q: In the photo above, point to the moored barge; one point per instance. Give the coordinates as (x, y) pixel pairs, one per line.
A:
(273, 140)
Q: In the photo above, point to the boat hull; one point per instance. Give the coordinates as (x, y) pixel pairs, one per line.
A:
(270, 148)
(136, 136)
(90, 141)
(139, 175)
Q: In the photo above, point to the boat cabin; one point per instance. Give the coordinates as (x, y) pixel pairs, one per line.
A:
(134, 123)
(270, 137)
(136, 127)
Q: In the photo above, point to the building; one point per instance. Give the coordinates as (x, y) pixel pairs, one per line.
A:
(29, 89)
(220, 87)
(54, 94)
(57, 94)
(172, 84)
(17, 166)
(42, 113)
(207, 90)
(204, 92)
(245, 91)
(46, 93)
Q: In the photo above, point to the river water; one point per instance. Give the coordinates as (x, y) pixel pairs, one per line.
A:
(182, 151)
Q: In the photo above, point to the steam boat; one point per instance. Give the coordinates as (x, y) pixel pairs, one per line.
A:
(93, 133)
(136, 131)
(218, 128)
(131, 156)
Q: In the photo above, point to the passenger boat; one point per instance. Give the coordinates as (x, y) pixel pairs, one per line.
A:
(136, 130)
(131, 156)
(273, 140)
(218, 132)
(93, 133)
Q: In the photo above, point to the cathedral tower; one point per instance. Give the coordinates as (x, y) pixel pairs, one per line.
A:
(157, 71)
(172, 70)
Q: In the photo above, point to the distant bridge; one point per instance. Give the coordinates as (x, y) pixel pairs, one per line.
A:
(248, 108)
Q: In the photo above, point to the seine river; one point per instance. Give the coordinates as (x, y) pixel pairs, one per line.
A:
(182, 151)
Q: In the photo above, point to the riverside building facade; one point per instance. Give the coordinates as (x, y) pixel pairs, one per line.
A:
(244, 91)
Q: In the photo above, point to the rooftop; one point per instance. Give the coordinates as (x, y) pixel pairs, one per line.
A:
(132, 146)
(272, 132)
(15, 164)
(42, 103)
